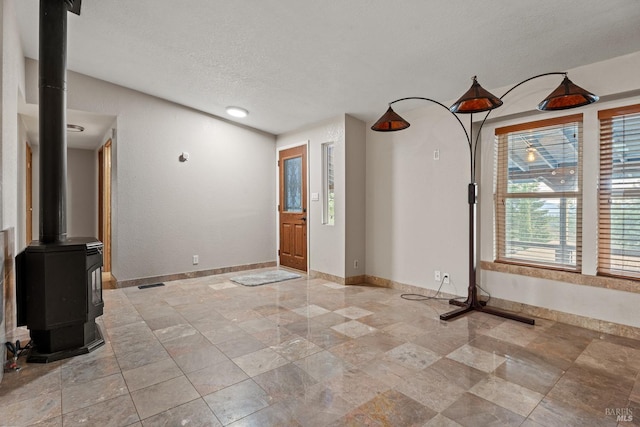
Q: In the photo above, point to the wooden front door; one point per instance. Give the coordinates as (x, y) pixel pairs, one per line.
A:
(292, 207)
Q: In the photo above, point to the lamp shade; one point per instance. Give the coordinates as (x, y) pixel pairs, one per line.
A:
(567, 95)
(389, 122)
(476, 100)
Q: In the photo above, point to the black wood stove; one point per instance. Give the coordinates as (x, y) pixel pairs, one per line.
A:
(58, 279)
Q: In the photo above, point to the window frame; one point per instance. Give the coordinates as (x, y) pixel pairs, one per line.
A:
(501, 194)
(328, 183)
(606, 168)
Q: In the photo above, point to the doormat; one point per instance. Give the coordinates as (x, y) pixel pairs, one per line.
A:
(265, 277)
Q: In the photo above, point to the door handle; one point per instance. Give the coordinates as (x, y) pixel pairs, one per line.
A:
(304, 218)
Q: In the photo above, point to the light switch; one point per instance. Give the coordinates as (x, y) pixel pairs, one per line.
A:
(315, 197)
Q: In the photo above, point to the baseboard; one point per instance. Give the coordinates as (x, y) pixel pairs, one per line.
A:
(525, 309)
(192, 274)
(353, 280)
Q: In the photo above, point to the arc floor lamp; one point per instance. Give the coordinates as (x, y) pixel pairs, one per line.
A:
(478, 100)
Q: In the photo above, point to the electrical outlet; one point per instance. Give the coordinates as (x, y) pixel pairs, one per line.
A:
(355, 264)
(445, 278)
(436, 275)
(195, 260)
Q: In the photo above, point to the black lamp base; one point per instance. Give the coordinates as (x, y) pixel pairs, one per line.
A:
(466, 307)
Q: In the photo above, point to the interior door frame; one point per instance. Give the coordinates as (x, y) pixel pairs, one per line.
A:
(29, 193)
(277, 224)
(104, 202)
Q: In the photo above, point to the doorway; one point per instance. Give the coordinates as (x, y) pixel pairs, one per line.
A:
(292, 207)
(104, 203)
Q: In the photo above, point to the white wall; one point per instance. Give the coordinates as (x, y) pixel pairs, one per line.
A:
(219, 205)
(417, 211)
(12, 150)
(416, 206)
(81, 193)
(355, 196)
(82, 187)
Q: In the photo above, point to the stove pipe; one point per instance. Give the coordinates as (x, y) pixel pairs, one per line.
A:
(53, 118)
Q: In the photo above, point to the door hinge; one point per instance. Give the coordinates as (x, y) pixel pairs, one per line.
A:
(278, 252)
(278, 163)
(278, 208)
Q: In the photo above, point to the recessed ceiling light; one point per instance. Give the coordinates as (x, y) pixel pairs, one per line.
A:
(237, 112)
(74, 128)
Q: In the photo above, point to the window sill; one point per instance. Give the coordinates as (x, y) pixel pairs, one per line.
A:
(618, 284)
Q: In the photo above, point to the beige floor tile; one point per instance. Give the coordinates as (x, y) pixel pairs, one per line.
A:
(89, 370)
(151, 374)
(353, 312)
(195, 413)
(477, 358)
(392, 409)
(216, 377)
(86, 394)
(237, 401)
(296, 348)
(471, 410)
(354, 329)
(175, 331)
(260, 361)
(441, 421)
(430, 388)
(31, 410)
(412, 356)
(163, 396)
(510, 396)
(199, 359)
(323, 365)
(310, 311)
(285, 383)
(119, 411)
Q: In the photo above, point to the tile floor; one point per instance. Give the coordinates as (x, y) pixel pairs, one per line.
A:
(307, 352)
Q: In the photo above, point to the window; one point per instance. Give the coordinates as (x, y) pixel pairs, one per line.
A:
(619, 192)
(539, 193)
(328, 188)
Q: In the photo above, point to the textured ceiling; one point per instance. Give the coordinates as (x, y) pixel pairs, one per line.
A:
(295, 62)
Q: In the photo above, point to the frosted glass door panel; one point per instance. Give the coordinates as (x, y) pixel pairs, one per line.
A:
(293, 185)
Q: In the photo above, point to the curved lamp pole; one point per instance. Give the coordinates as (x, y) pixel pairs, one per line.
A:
(477, 100)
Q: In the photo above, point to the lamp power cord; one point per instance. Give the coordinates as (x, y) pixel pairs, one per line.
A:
(420, 297)
(16, 351)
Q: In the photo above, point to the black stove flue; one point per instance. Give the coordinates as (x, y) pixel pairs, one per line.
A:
(58, 279)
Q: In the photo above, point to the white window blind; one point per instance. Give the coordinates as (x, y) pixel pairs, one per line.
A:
(538, 210)
(619, 192)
